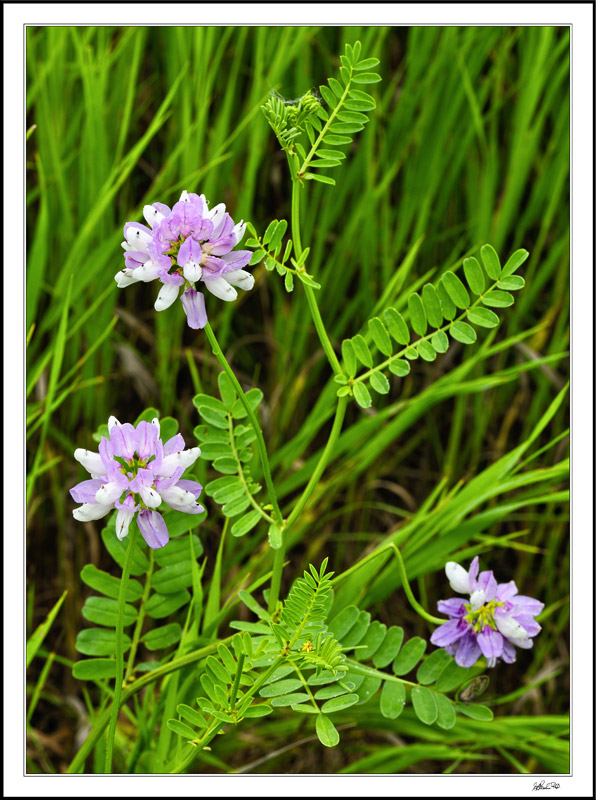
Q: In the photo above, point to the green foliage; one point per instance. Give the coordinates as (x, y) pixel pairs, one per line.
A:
(445, 308)
(325, 130)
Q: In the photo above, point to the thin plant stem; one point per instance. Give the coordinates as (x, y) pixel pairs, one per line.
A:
(139, 624)
(410, 595)
(132, 535)
(278, 560)
(218, 353)
(196, 748)
(310, 295)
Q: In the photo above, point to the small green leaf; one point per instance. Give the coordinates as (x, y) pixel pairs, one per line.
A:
(396, 325)
(344, 391)
(99, 642)
(389, 648)
(104, 611)
(117, 549)
(245, 523)
(514, 262)
(258, 710)
(432, 667)
(424, 704)
(191, 715)
(447, 306)
(312, 176)
(206, 401)
(172, 579)
(331, 138)
(328, 96)
(362, 395)
(463, 332)
(294, 698)
(226, 390)
(491, 262)
(452, 677)
(366, 77)
(108, 584)
(513, 283)
(342, 622)
(366, 63)
(474, 275)
(412, 353)
(349, 357)
(399, 367)
(417, 315)
(440, 341)
(270, 231)
(361, 350)
(253, 396)
(181, 729)
(289, 282)
(432, 305)
(162, 637)
(498, 299)
(380, 336)
(278, 235)
(445, 712)
(226, 465)
(94, 669)
(393, 699)
(481, 713)
(339, 703)
(379, 383)
(483, 317)
(409, 655)
(426, 350)
(256, 258)
(336, 87)
(162, 605)
(356, 633)
(212, 450)
(214, 418)
(274, 536)
(456, 290)
(326, 731)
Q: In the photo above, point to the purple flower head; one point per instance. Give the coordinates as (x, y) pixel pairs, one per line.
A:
(134, 471)
(183, 246)
(495, 619)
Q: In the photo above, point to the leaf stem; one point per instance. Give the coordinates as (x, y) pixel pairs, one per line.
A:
(327, 125)
(139, 624)
(310, 295)
(410, 595)
(132, 535)
(218, 352)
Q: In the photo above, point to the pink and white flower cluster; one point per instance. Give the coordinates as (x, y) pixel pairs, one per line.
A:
(185, 245)
(134, 471)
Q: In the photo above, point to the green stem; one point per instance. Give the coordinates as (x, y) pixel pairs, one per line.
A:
(237, 677)
(310, 295)
(278, 559)
(102, 720)
(132, 535)
(410, 595)
(139, 624)
(218, 352)
(340, 413)
(196, 748)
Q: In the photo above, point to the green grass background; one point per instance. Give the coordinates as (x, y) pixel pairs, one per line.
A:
(469, 144)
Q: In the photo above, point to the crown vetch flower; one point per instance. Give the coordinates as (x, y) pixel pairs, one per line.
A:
(495, 621)
(134, 471)
(183, 246)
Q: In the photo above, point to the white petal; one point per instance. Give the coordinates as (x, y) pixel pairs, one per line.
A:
(477, 599)
(238, 230)
(123, 520)
(184, 197)
(108, 493)
(155, 422)
(216, 213)
(183, 459)
(240, 278)
(175, 496)
(91, 461)
(126, 246)
(167, 295)
(152, 215)
(221, 288)
(89, 511)
(458, 577)
(124, 278)
(113, 422)
(138, 238)
(146, 272)
(150, 497)
(192, 271)
(510, 628)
